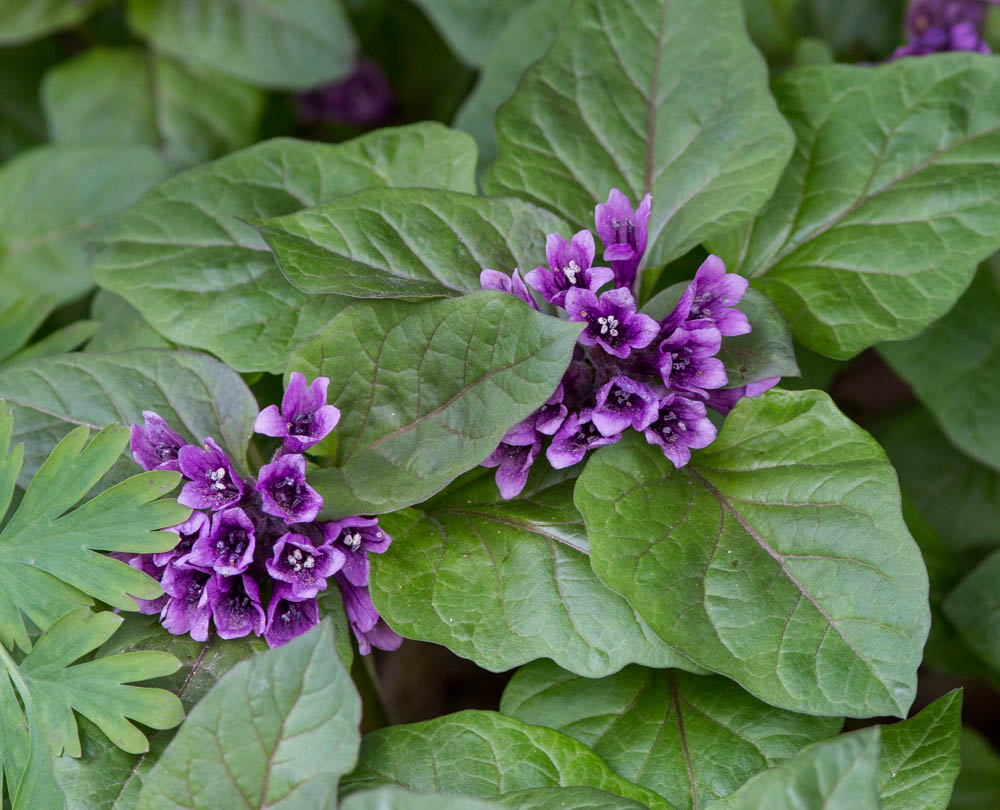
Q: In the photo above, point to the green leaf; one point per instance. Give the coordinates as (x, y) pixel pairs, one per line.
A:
(48, 559)
(978, 784)
(50, 200)
(19, 319)
(692, 739)
(426, 391)
(484, 754)
(394, 798)
(857, 30)
(837, 774)
(291, 714)
(121, 326)
(974, 608)
(661, 96)
(771, 25)
(564, 798)
(470, 28)
(21, 21)
(778, 557)
(204, 278)
(406, 243)
(196, 394)
(920, 757)
(855, 247)
(124, 95)
(21, 121)
(503, 583)
(59, 342)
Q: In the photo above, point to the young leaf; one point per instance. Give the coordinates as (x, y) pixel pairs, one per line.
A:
(394, 798)
(406, 243)
(920, 757)
(427, 391)
(778, 557)
(690, 738)
(503, 583)
(974, 608)
(204, 278)
(278, 730)
(560, 798)
(661, 96)
(20, 21)
(195, 393)
(978, 784)
(837, 774)
(484, 754)
(282, 44)
(50, 200)
(855, 247)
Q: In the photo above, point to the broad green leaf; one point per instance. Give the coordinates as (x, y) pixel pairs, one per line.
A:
(21, 121)
(50, 200)
(858, 243)
(426, 391)
(394, 798)
(661, 96)
(504, 583)
(978, 784)
(61, 341)
(282, 44)
(202, 277)
(564, 798)
(19, 318)
(837, 774)
(470, 27)
(920, 757)
(778, 557)
(407, 243)
(484, 754)
(195, 393)
(122, 327)
(124, 95)
(953, 366)
(690, 738)
(277, 730)
(974, 608)
(49, 560)
(771, 25)
(21, 21)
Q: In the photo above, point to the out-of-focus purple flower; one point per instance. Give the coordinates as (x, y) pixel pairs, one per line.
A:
(155, 446)
(303, 566)
(715, 296)
(212, 482)
(512, 284)
(622, 402)
(188, 533)
(287, 617)
(144, 563)
(623, 230)
(357, 537)
(368, 626)
(724, 400)
(235, 603)
(577, 435)
(304, 418)
(570, 265)
(228, 548)
(936, 26)
(363, 98)
(284, 491)
(681, 426)
(513, 463)
(188, 610)
(688, 361)
(612, 322)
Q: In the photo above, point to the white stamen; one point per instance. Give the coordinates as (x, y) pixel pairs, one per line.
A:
(298, 554)
(571, 271)
(291, 559)
(309, 562)
(609, 325)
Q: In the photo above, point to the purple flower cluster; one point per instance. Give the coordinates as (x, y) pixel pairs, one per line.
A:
(255, 543)
(628, 370)
(362, 98)
(936, 26)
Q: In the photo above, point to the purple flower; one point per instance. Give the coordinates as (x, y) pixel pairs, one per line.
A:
(623, 230)
(188, 610)
(570, 265)
(935, 26)
(212, 483)
(725, 399)
(577, 435)
(304, 418)
(688, 361)
(368, 626)
(363, 98)
(513, 463)
(357, 537)
(287, 617)
(235, 603)
(155, 446)
(144, 563)
(512, 284)
(715, 294)
(302, 565)
(681, 426)
(284, 491)
(228, 548)
(612, 322)
(188, 532)
(622, 402)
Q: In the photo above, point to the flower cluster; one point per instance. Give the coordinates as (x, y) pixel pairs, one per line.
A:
(628, 370)
(252, 558)
(363, 98)
(935, 26)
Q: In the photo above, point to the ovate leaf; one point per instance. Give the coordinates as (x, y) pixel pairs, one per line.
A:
(860, 242)
(974, 608)
(690, 738)
(778, 557)
(426, 391)
(20, 21)
(202, 277)
(291, 714)
(484, 754)
(661, 96)
(399, 243)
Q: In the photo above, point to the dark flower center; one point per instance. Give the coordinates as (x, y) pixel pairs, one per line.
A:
(629, 229)
(194, 590)
(220, 483)
(288, 493)
(623, 399)
(301, 425)
(669, 426)
(166, 452)
(231, 547)
(291, 614)
(299, 560)
(604, 327)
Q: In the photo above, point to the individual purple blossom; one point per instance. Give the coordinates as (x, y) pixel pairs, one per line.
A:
(623, 230)
(284, 491)
(303, 566)
(688, 362)
(304, 419)
(155, 446)
(369, 628)
(512, 284)
(188, 533)
(570, 265)
(288, 617)
(227, 549)
(357, 537)
(144, 563)
(188, 610)
(235, 604)
(513, 463)
(623, 402)
(936, 26)
(212, 483)
(715, 294)
(724, 400)
(363, 98)
(682, 426)
(577, 435)
(612, 322)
